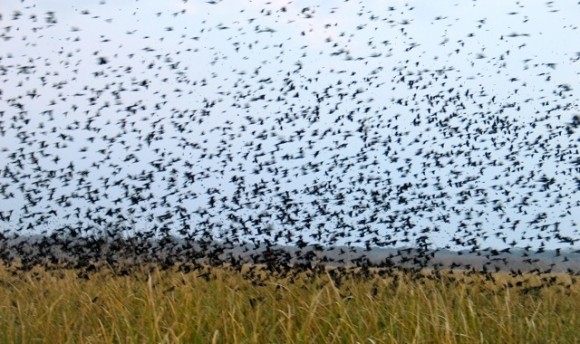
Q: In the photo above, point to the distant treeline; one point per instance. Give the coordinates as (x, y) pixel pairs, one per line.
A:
(169, 251)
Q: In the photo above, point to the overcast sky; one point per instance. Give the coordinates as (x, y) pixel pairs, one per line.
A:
(226, 89)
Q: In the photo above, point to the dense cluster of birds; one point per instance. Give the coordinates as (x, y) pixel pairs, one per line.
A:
(277, 138)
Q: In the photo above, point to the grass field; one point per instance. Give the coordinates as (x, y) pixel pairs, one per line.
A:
(252, 305)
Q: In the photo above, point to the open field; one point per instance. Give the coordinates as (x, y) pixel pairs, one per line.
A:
(250, 304)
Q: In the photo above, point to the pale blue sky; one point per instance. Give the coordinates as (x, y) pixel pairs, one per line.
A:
(522, 54)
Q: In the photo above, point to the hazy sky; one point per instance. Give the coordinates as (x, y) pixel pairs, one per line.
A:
(349, 97)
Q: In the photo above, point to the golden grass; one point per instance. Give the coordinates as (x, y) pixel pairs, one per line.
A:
(166, 306)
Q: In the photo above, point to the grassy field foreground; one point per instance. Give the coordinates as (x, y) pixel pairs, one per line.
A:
(225, 305)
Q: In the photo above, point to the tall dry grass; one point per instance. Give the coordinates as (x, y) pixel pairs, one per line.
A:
(222, 305)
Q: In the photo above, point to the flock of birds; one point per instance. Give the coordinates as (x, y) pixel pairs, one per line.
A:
(116, 151)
